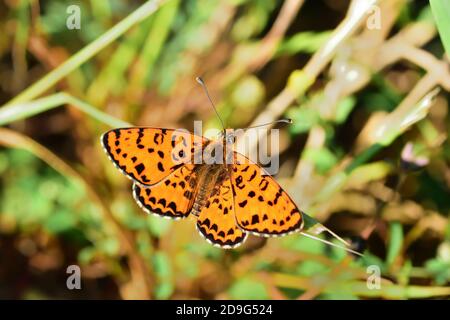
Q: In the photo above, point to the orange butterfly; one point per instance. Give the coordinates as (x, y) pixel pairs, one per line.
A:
(230, 198)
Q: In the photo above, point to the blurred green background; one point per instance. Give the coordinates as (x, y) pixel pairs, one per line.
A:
(367, 154)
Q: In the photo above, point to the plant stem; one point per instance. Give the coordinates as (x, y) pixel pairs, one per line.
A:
(95, 113)
(11, 113)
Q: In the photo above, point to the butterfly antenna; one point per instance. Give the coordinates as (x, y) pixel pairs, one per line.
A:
(202, 83)
(330, 243)
(288, 121)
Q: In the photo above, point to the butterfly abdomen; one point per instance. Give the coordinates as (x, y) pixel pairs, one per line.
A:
(200, 201)
(209, 179)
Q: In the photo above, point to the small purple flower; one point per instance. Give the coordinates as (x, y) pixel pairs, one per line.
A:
(411, 161)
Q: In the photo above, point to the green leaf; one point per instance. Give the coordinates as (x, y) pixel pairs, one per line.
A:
(395, 242)
(247, 288)
(370, 260)
(337, 296)
(163, 270)
(310, 268)
(60, 222)
(322, 158)
(302, 119)
(306, 42)
(441, 13)
(439, 269)
(344, 108)
(110, 246)
(248, 92)
(440, 266)
(86, 255)
(158, 226)
(304, 244)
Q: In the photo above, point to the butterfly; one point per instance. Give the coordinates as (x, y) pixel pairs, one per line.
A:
(229, 198)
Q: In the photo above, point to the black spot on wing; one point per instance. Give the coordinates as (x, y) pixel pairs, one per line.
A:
(243, 204)
(188, 194)
(173, 206)
(278, 195)
(252, 176)
(140, 136)
(206, 222)
(139, 168)
(255, 219)
(263, 184)
(158, 138)
(239, 182)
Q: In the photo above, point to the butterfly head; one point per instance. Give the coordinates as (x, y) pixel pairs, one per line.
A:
(228, 136)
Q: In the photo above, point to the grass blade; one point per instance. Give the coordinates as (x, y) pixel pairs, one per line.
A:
(441, 13)
(15, 112)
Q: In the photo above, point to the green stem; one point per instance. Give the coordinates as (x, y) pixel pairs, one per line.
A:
(11, 113)
(95, 113)
(15, 112)
(88, 52)
(364, 157)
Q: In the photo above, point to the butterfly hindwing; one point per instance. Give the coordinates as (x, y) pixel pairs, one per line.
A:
(262, 207)
(148, 155)
(173, 197)
(216, 220)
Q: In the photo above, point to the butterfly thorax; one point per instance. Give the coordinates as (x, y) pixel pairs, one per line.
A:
(212, 172)
(219, 152)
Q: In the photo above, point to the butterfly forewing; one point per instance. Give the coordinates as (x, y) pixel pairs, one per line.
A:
(148, 155)
(261, 206)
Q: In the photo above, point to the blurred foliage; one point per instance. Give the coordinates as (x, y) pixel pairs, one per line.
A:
(357, 96)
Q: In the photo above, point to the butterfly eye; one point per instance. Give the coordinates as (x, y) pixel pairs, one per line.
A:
(231, 139)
